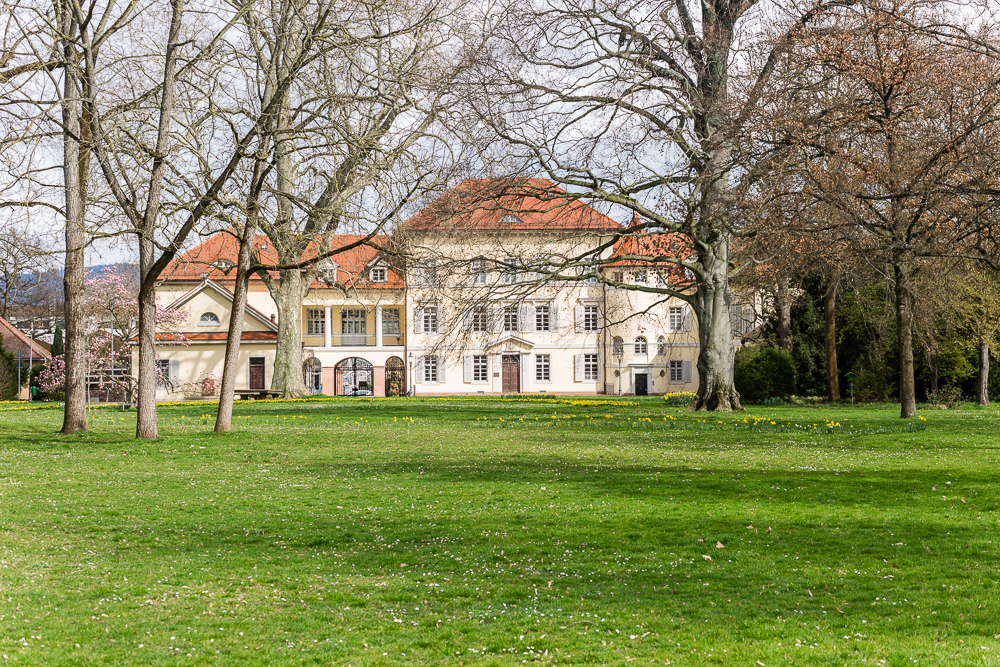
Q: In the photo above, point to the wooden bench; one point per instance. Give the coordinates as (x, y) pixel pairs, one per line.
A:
(253, 394)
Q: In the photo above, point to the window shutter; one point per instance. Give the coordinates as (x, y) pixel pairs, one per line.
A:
(418, 371)
(467, 320)
(578, 367)
(553, 318)
(687, 318)
(687, 371)
(175, 372)
(496, 315)
(578, 319)
(418, 320)
(442, 321)
(527, 374)
(600, 319)
(527, 316)
(442, 364)
(467, 369)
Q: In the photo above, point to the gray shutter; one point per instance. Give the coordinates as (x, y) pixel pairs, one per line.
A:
(418, 320)
(553, 318)
(527, 316)
(442, 365)
(578, 367)
(442, 322)
(578, 319)
(467, 369)
(467, 320)
(418, 371)
(529, 376)
(687, 319)
(600, 319)
(175, 372)
(687, 371)
(497, 318)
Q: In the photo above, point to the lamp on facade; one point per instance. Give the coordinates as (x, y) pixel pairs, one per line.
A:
(413, 385)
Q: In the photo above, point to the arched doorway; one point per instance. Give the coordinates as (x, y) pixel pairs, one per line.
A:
(312, 375)
(353, 377)
(395, 377)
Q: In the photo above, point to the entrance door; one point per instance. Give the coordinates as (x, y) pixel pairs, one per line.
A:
(511, 373)
(641, 386)
(395, 377)
(256, 373)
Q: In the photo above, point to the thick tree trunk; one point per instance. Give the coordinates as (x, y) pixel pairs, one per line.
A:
(288, 295)
(982, 391)
(75, 410)
(783, 304)
(830, 337)
(717, 355)
(904, 334)
(146, 426)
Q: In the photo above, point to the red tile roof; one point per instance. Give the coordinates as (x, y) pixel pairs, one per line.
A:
(643, 244)
(516, 204)
(216, 259)
(14, 339)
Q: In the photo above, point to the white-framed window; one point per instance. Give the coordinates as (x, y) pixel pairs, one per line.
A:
(675, 319)
(479, 320)
(353, 321)
(390, 322)
(478, 273)
(591, 318)
(379, 275)
(639, 277)
(542, 319)
(543, 368)
(315, 322)
(510, 274)
(480, 368)
(589, 280)
(618, 346)
(618, 277)
(209, 320)
(661, 345)
(431, 368)
(680, 371)
(430, 319)
(640, 346)
(427, 273)
(591, 369)
(510, 318)
(162, 372)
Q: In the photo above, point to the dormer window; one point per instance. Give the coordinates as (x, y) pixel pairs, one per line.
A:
(511, 220)
(209, 320)
(263, 246)
(379, 275)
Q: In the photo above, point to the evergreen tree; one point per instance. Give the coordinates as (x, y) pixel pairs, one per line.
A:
(57, 342)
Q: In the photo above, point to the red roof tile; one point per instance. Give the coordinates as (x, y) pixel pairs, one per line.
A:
(516, 204)
(14, 339)
(216, 259)
(648, 246)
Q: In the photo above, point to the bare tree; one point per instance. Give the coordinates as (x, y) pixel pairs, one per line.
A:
(893, 149)
(642, 106)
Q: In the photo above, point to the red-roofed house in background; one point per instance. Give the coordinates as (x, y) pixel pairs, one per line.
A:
(25, 349)
(477, 310)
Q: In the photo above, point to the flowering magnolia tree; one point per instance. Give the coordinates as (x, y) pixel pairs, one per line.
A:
(111, 310)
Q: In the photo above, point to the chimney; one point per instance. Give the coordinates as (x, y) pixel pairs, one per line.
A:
(273, 321)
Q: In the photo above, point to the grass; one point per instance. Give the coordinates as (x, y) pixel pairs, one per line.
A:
(489, 532)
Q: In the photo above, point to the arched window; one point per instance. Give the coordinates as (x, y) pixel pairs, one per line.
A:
(618, 348)
(209, 320)
(640, 346)
(661, 345)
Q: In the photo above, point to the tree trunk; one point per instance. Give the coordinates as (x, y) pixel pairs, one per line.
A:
(783, 304)
(932, 363)
(904, 333)
(982, 393)
(288, 295)
(830, 337)
(75, 410)
(717, 355)
(145, 426)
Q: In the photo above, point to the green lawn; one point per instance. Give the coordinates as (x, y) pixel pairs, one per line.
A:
(489, 532)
